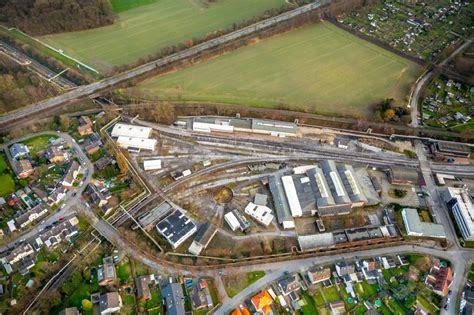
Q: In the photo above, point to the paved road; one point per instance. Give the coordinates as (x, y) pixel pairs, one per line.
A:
(415, 97)
(36, 67)
(276, 270)
(70, 201)
(93, 88)
(458, 256)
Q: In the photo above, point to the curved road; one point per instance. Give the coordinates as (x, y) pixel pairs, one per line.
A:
(69, 200)
(93, 88)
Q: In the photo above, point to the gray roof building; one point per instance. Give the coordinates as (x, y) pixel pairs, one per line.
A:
(176, 228)
(173, 299)
(155, 214)
(415, 227)
(204, 236)
(281, 203)
(110, 303)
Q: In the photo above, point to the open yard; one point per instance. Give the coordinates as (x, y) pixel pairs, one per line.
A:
(319, 68)
(7, 185)
(146, 29)
(37, 143)
(236, 283)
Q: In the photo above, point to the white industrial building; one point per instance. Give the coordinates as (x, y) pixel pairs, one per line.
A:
(136, 143)
(151, 165)
(415, 227)
(134, 131)
(262, 214)
(232, 221)
(252, 125)
(236, 220)
(292, 196)
(460, 204)
(208, 127)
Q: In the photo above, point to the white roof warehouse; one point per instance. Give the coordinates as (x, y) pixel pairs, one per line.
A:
(138, 143)
(134, 131)
(133, 137)
(415, 227)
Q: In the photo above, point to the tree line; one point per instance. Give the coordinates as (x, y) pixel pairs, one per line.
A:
(19, 87)
(41, 17)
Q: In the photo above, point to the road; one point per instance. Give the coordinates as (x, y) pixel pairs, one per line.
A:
(276, 270)
(416, 116)
(36, 67)
(93, 88)
(458, 256)
(70, 201)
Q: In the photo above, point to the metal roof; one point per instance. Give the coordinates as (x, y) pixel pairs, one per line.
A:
(127, 130)
(282, 208)
(414, 225)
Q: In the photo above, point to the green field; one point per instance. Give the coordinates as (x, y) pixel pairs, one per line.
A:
(320, 68)
(37, 143)
(7, 185)
(124, 5)
(144, 30)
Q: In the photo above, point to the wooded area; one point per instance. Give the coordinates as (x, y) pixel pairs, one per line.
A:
(40, 17)
(20, 87)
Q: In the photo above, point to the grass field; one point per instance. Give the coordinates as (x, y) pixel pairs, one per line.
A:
(236, 283)
(319, 68)
(7, 185)
(146, 29)
(38, 143)
(124, 5)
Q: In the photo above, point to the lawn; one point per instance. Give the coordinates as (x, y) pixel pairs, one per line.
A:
(3, 164)
(331, 294)
(123, 272)
(365, 290)
(310, 307)
(236, 283)
(124, 5)
(7, 185)
(319, 68)
(145, 29)
(38, 143)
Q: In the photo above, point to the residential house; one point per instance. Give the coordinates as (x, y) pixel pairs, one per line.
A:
(142, 284)
(343, 268)
(56, 196)
(110, 303)
(18, 254)
(55, 155)
(19, 150)
(262, 302)
(317, 275)
(388, 263)
(369, 269)
(289, 284)
(31, 215)
(200, 295)
(71, 175)
(99, 197)
(173, 299)
(106, 274)
(85, 126)
(63, 231)
(93, 143)
(439, 279)
(26, 264)
(11, 226)
(103, 162)
(23, 168)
